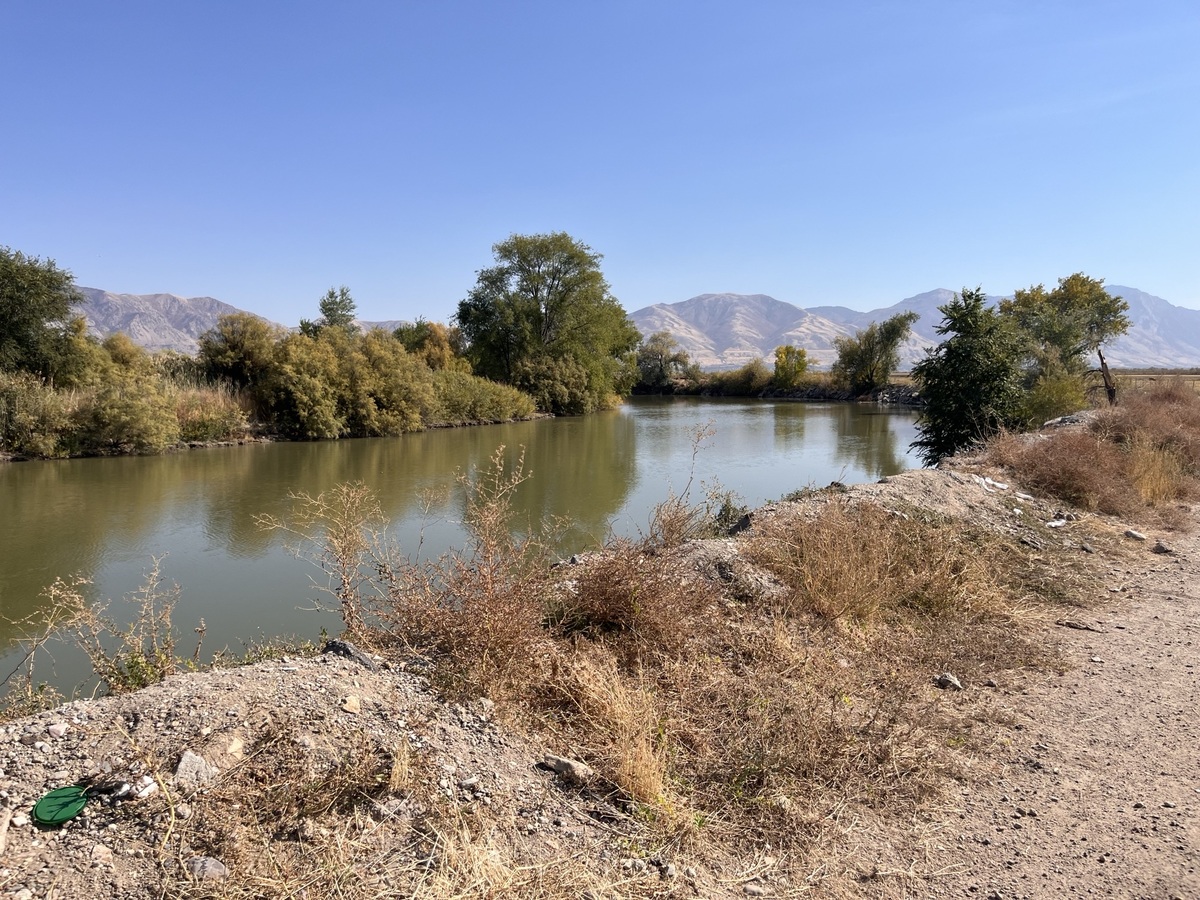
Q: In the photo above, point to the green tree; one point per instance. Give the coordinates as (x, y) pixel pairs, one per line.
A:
(660, 361)
(36, 299)
(544, 311)
(866, 360)
(790, 365)
(439, 345)
(306, 387)
(240, 348)
(337, 311)
(1069, 323)
(971, 382)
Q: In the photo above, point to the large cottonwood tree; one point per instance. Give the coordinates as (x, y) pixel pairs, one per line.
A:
(543, 320)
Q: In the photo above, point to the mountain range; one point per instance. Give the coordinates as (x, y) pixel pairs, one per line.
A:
(728, 330)
(716, 330)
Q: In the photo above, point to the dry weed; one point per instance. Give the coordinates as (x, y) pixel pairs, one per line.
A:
(479, 610)
(1137, 461)
(856, 560)
(641, 602)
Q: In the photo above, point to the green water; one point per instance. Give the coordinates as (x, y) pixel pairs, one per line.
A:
(107, 518)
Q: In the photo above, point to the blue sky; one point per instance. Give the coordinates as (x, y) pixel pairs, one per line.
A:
(850, 153)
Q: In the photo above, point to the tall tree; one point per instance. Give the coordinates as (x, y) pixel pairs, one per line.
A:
(866, 361)
(337, 311)
(790, 365)
(971, 382)
(36, 299)
(1069, 323)
(660, 360)
(543, 320)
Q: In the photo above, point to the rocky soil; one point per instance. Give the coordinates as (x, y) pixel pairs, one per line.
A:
(228, 783)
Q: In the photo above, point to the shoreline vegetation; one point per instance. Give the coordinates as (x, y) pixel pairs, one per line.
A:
(637, 722)
(539, 333)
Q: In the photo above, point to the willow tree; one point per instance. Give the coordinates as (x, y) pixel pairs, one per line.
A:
(544, 320)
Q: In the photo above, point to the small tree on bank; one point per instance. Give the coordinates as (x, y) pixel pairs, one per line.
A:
(971, 382)
(660, 361)
(866, 361)
(1066, 325)
(790, 365)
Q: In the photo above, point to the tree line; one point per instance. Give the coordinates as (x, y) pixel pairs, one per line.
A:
(540, 330)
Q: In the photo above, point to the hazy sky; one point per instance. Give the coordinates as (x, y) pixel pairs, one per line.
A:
(838, 152)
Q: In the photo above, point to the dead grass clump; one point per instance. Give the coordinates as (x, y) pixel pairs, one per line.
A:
(479, 610)
(1076, 467)
(641, 602)
(277, 816)
(857, 560)
(615, 719)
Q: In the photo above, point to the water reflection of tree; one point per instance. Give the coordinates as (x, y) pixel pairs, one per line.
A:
(788, 424)
(64, 517)
(866, 439)
(581, 468)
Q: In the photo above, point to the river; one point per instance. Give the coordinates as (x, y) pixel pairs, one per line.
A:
(106, 519)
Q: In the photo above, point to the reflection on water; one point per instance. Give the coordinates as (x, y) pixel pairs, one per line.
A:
(106, 518)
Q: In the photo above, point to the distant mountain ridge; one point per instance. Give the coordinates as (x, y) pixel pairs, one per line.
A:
(727, 330)
(716, 330)
(163, 321)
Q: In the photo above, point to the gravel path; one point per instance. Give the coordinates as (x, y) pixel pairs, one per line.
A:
(1096, 787)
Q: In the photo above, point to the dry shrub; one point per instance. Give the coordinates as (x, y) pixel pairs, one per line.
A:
(1137, 459)
(854, 561)
(479, 610)
(341, 531)
(1166, 414)
(642, 602)
(1077, 467)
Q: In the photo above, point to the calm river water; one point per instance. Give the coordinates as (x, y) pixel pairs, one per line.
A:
(107, 518)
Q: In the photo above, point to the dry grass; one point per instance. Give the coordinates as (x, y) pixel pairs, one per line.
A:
(629, 596)
(858, 560)
(1138, 460)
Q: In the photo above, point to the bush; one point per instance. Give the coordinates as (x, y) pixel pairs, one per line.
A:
(748, 381)
(971, 382)
(1138, 457)
(463, 398)
(128, 414)
(209, 414)
(35, 420)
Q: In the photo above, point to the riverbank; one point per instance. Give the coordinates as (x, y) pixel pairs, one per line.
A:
(848, 763)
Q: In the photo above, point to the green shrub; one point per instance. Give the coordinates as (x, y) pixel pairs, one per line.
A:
(463, 398)
(130, 413)
(34, 418)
